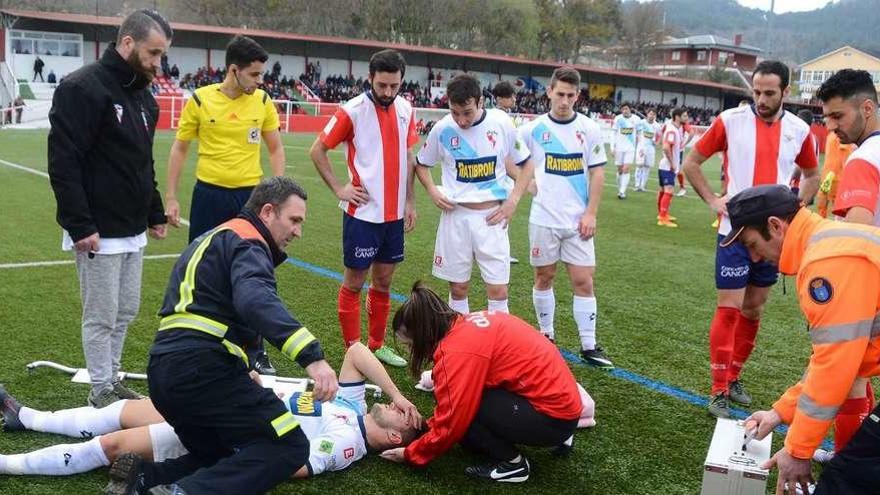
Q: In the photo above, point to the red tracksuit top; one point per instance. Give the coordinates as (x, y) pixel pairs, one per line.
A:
(492, 350)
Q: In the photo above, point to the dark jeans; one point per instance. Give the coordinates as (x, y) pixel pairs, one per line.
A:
(225, 421)
(855, 470)
(506, 419)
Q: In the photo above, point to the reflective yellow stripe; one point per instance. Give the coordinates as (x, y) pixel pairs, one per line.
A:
(284, 423)
(296, 342)
(194, 322)
(236, 351)
(188, 284)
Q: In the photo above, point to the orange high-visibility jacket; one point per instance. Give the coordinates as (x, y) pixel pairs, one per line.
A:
(838, 287)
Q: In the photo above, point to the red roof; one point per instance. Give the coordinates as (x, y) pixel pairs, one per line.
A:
(183, 26)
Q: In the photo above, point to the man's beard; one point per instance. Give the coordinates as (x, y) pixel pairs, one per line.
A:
(384, 101)
(767, 114)
(854, 138)
(134, 61)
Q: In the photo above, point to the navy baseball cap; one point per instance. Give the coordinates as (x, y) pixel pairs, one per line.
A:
(752, 208)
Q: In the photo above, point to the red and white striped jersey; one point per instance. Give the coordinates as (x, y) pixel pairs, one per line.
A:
(860, 184)
(377, 141)
(758, 152)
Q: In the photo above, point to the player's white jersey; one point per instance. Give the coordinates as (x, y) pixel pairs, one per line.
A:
(473, 159)
(674, 136)
(647, 132)
(336, 432)
(562, 153)
(625, 132)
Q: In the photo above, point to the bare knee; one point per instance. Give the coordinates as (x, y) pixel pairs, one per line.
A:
(496, 292)
(111, 446)
(459, 290)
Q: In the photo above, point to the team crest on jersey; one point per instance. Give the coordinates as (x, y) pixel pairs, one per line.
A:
(580, 137)
(820, 290)
(304, 404)
(492, 136)
(454, 142)
(564, 164)
(545, 137)
(475, 169)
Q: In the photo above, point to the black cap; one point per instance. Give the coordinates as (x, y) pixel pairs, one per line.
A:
(752, 208)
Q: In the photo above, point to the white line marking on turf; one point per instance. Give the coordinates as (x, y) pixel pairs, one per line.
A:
(70, 262)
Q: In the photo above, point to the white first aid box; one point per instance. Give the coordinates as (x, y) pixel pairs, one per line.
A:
(732, 470)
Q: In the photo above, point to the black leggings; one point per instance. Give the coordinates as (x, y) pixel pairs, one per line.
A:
(506, 419)
(856, 468)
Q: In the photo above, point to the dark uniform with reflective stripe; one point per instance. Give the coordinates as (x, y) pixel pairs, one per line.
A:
(221, 299)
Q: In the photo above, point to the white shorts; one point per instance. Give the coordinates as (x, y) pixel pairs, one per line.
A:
(549, 245)
(464, 236)
(624, 157)
(645, 157)
(166, 444)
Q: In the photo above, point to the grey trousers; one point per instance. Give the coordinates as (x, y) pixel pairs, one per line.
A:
(110, 290)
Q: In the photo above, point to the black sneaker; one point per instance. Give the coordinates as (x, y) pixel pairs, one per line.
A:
(126, 476)
(719, 406)
(9, 407)
(738, 393)
(565, 448)
(596, 357)
(263, 366)
(506, 472)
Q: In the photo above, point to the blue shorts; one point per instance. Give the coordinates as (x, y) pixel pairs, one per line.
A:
(734, 268)
(213, 205)
(667, 177)
(365, 242)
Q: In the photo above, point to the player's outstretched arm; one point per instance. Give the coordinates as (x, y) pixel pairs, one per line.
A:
(360, 364)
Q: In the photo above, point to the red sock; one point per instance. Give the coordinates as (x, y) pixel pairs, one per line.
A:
(378, 307)
(869, 392)
(721, 346)
(744, 333)
(848, 420)
(349, 309)
(660, 194)
(665, 201)
(680, 177)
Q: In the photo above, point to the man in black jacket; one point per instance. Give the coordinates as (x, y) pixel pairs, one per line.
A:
(101, 168)
(221, 299)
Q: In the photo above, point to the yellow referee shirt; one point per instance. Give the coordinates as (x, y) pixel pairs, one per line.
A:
(229, 134)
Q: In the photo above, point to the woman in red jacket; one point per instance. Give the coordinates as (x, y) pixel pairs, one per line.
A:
(497, 381)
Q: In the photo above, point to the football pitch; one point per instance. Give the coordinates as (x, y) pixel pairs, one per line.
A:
(655, 291)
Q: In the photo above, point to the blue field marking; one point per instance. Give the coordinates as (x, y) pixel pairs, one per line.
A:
(571, 357)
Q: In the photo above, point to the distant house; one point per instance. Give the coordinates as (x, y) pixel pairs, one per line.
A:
(814, 72)
(703, 52)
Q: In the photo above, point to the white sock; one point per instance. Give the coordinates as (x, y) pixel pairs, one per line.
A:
(82, 422)
(61, 459)
(460, 305)
(498, 305)
(638, 183)
(584, 309)
(545, 308)
(624, 182)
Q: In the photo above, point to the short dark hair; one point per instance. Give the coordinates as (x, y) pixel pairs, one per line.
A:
(387, 61)
(139, 23)
(625, 104)
(776, 68)
(678, 111)
(243, 51)
(806, 115)
(462, 88)
(274, 191)
(568, 75)
(503, 90)
(651, 109)
(424, 318)
(847, 83)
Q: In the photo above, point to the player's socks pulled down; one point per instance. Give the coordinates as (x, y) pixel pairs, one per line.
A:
(498, 305)
(460, 305)
(349, 310)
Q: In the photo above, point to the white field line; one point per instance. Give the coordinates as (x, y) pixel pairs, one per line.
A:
(32, 264)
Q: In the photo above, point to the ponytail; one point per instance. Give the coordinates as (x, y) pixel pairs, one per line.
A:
(424, 318)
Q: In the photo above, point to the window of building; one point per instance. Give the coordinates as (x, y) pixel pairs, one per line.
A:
(701, 55)
(676, 55)
(722, 57)
(46, 44)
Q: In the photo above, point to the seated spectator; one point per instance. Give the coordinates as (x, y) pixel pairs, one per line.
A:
(51, 78)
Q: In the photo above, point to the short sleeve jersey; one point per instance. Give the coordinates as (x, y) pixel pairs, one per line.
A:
(377, 139)
(757, 152)
(860, 184)
(336, 431)
(562, 152)
(625, 132)
(229, 131)
(647, 132)
(473, 159)
(673, 136)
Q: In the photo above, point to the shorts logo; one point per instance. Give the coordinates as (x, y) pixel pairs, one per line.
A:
(734, 271)
(438, 260)
(454, 142)
(348, 453)
(536, 251)
(476, 169)
(365, 252)
(326, 447)
(820, 290)
(565, 164)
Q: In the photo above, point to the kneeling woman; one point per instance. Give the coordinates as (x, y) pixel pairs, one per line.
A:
(498, 383)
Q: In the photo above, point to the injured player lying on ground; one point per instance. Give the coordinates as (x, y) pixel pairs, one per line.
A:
(339, 432)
